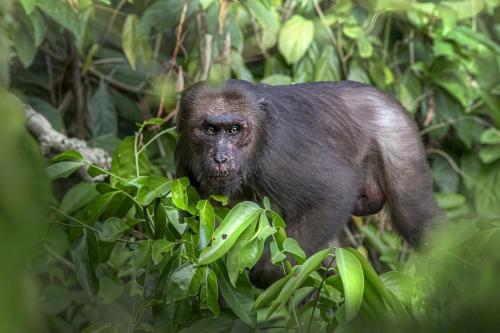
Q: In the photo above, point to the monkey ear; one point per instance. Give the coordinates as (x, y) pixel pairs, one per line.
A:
(262, 103)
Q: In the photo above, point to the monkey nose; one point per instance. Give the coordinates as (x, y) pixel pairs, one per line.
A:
(219, 159)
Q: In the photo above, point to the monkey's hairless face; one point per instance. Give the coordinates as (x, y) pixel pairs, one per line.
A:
(221, 134)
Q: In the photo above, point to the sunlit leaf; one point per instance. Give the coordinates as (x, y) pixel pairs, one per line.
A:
(295, 37)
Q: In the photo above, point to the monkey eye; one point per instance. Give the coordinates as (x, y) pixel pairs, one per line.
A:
(210, 130)
(234, 130)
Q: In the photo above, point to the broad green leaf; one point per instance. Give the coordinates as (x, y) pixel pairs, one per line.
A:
(291, 246)
(295, 37)
(123, 163)
(365, 48)
(78, 196)
(23, 38)
(490, 154)
(357, 72)
(402, 285)
(92, 211)
(207, 222)
(150, 188)
(491, 136)
(159, 248)
(449, 200)
(238, 67)
(277, 255)
(239, 299)
(39, 28)
(352, 277)
(372, 278)
(179, 193)
(68, 155)
(184, 282)
(353, 31)
(327, 68)
(251, 252)
(233, 256)
(28, 5)
(85, 258)
(63, 169)
(112, 229)
(209, 292)
(130, 39)
(237, 221)
(268, 19)
(63, 14)
(102, 118)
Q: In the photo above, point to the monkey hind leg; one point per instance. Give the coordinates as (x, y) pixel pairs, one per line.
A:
(408, 187)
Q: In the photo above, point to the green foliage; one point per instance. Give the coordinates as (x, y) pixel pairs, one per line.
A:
(143, 252)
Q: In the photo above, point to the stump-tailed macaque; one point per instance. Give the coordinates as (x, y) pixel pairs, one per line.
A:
(320, 151)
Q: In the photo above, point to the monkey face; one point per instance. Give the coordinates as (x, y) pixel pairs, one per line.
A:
(221, 142)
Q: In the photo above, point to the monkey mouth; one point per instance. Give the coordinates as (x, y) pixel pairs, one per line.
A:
(221, 177)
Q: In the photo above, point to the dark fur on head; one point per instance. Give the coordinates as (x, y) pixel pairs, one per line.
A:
(235, 100)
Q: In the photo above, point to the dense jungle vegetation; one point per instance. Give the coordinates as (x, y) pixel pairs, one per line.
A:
(118, 244)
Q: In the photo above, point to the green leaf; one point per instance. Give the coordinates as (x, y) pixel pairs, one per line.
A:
(365, 48)
(402, 285)
(207, 222)
(39, 28)
(159, 248)
(291, 246)
(234, 255)
(490, 154)
(102, 118)
(179, 193)
(239, 299)
(267, 18)
(277, 79)
(298, 278)
(68, 155)
(209, 292)
(85, 258)
(251, 252)
(130, 39)
(352, 277)
(112, 229)
(353, 31)
(357, 73)
(78, 196)
(295, 37)
(63, 14)
(184, 282)
(327, 68)
(449, 200)
(123, 162)
(271, 293)
(110, 290)
(374, 280)
(28, 5)
(23, 39)
(237, 221)
(491, 136)
(63, 169)
(150, 188)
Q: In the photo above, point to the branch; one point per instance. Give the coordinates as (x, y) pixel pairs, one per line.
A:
(52, 142)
